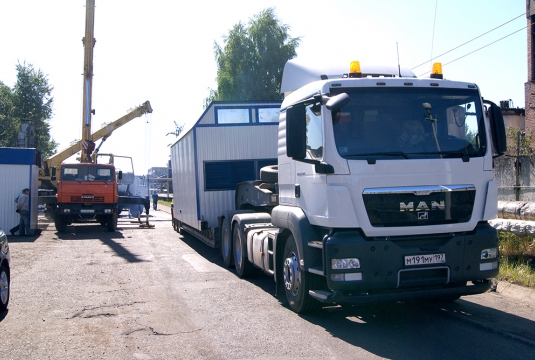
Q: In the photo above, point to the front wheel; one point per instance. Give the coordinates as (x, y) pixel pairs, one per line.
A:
(4, 288)
(297, 282)
(61, 223)
(112, 223)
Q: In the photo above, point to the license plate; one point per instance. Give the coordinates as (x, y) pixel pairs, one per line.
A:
(412, 260)
(87, 211)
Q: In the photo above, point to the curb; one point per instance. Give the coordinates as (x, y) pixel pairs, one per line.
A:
(516, 291)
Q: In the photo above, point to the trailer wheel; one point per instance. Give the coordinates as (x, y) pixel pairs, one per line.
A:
(112, 223)
(4, 288)
(243, 267)
(61, 223)
(226, 243)
(297, 282)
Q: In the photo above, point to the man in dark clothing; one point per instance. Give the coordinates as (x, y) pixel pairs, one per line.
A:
(16, 228)
(23, 206)
(154, 200)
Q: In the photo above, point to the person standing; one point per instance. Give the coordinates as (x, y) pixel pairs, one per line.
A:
(154, 200)
(23, 206)
(16, 228)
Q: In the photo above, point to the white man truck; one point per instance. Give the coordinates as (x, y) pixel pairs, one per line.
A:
(382, 189)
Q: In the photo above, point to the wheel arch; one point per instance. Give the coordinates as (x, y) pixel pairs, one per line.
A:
(293, 221)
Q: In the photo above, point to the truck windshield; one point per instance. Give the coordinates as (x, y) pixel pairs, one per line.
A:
(409, 123)
(83, 172)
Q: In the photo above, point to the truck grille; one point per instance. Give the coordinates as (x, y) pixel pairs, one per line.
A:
(415, 206)
(80, 199)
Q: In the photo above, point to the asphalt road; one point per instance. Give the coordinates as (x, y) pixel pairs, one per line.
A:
(148, 293)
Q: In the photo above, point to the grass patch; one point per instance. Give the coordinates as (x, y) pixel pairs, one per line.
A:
(165, 202)
(517, 259)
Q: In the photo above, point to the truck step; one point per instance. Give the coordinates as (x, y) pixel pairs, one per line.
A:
(316, 244)
(320, 295)
(316, 270)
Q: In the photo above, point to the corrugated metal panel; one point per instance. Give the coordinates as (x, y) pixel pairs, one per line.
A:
(184, 182)
(14, 178)
(207, 141)
(230, 143)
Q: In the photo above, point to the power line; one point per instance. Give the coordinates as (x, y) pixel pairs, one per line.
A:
(478, 49)
(469, 41)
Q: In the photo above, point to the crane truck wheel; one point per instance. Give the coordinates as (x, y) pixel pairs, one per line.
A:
(112, 223)
(226, 242)
(297, 282)
(61, 223)
(243, 267)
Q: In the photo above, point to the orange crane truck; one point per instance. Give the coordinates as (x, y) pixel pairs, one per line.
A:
(87, 191)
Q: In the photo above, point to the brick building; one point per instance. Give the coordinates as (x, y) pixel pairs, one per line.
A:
(529, 86)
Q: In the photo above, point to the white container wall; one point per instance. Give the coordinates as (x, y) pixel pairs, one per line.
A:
(230, 142)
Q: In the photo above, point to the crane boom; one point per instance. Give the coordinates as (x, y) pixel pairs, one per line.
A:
(103, 133)
(89, 42)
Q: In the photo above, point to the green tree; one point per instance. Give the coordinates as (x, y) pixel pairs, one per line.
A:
(252, 59)
(32, 102)
(519, 141)
(8, 126)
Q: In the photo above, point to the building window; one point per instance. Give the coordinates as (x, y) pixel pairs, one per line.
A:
(225, 175)
(233, 116)
(268, 115)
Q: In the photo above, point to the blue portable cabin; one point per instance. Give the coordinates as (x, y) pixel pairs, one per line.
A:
(19, 169)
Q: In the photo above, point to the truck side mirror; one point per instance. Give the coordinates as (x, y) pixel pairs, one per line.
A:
(296, 132)
(53, 177)
(120, 175)
(497, 129)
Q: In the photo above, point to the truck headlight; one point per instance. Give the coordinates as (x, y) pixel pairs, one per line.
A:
(65, 211)
(489, 253)
(107, 211)
(351, 263)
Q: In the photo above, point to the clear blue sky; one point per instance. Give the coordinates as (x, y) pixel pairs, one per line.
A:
(162, 51)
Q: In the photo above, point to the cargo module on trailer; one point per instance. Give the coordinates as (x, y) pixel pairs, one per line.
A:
(383, 189)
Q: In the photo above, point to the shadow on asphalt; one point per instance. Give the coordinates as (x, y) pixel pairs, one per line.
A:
(412, 330)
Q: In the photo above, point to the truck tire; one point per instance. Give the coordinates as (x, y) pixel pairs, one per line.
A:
(61, 223)
(297, 282)
(269, 174)
(179, 228)
(112, 223)
(226, 242)
(4, 288)
(243, 267)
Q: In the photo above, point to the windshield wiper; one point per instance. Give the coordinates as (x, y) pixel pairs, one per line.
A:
(449, 154)
(386, 153)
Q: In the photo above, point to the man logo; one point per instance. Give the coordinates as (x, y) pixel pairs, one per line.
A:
(422, 206)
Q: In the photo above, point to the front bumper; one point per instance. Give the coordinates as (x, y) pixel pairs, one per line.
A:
(384, 274)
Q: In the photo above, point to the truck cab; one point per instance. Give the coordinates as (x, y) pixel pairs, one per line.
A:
(392, 177)
(87, 192)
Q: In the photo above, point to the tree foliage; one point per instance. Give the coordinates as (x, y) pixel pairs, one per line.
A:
(30, 101)
(519, 141)
(252, 59)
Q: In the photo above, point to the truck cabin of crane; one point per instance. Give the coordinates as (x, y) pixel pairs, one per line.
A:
(84, 172)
